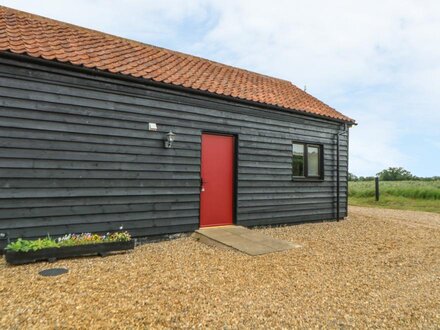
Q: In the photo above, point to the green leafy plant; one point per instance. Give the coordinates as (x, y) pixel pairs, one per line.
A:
(18, 245)
(44, 243)
(22, 245)
(395, 174)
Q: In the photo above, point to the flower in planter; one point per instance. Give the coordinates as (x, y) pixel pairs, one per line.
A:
(119, 237)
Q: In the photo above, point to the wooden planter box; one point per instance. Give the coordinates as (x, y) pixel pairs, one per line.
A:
(52, 254)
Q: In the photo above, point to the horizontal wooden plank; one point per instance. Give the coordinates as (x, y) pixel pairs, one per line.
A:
(145, 149)
(50, 134)
(47, 125)
(284, 158)
(33, 202)
(287, 208)
(154, 216)
(291, 183)
(96, 183)
(292, 196)
(284, 202)
(32, 212)
(329, 170)
(156, 155)
(293, 219)
(81, 192)
(153, 164)
(170, 173)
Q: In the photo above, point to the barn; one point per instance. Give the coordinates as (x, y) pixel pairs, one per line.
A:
(98, 132)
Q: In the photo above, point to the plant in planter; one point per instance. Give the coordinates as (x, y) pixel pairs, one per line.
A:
(88, 238)
(71, 245)
(22, 245)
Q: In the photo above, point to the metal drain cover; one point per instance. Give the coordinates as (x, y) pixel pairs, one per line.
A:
(53, 271)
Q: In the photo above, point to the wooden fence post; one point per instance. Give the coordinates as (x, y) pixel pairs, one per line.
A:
(376, 184)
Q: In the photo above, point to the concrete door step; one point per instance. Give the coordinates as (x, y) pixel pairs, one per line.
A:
(242, 239)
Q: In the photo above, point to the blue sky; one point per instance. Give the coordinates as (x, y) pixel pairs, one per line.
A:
(376, 61)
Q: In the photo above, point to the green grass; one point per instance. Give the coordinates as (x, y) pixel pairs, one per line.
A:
(404, 195)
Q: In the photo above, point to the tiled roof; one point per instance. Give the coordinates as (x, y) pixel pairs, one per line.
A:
(36, 36)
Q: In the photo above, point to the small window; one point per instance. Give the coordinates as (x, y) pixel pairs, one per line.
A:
(312, 161)
(298, 159)
(306, 161)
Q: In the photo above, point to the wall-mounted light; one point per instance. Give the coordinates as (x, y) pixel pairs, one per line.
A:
(169, 139)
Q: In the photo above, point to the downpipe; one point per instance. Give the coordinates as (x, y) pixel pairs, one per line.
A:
(338, 184)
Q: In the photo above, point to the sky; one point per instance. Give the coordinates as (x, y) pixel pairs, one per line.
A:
(376, 61)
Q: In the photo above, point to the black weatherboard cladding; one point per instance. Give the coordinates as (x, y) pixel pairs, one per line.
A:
(76, 155)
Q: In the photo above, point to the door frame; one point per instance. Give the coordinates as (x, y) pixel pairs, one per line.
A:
(234, 170)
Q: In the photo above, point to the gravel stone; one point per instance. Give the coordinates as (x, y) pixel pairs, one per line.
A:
(376, 269)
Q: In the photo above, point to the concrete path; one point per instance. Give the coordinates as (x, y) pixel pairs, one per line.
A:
(241, 239)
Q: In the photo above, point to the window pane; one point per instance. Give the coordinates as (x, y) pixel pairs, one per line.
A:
(298, 159)
(312, 161)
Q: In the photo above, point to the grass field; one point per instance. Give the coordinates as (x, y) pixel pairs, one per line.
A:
(404, 195)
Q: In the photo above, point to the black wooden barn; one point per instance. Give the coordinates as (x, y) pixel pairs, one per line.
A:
(99, 132)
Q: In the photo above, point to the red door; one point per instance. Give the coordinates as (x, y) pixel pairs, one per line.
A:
(217, 175)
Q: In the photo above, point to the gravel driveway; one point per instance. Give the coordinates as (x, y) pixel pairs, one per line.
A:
(378, 268)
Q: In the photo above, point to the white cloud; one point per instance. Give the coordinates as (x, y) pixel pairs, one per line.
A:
(373, 146)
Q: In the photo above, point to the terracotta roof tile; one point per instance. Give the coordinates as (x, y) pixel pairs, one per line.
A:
(36, 36)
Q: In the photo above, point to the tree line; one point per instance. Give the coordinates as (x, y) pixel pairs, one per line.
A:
(392, 174)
